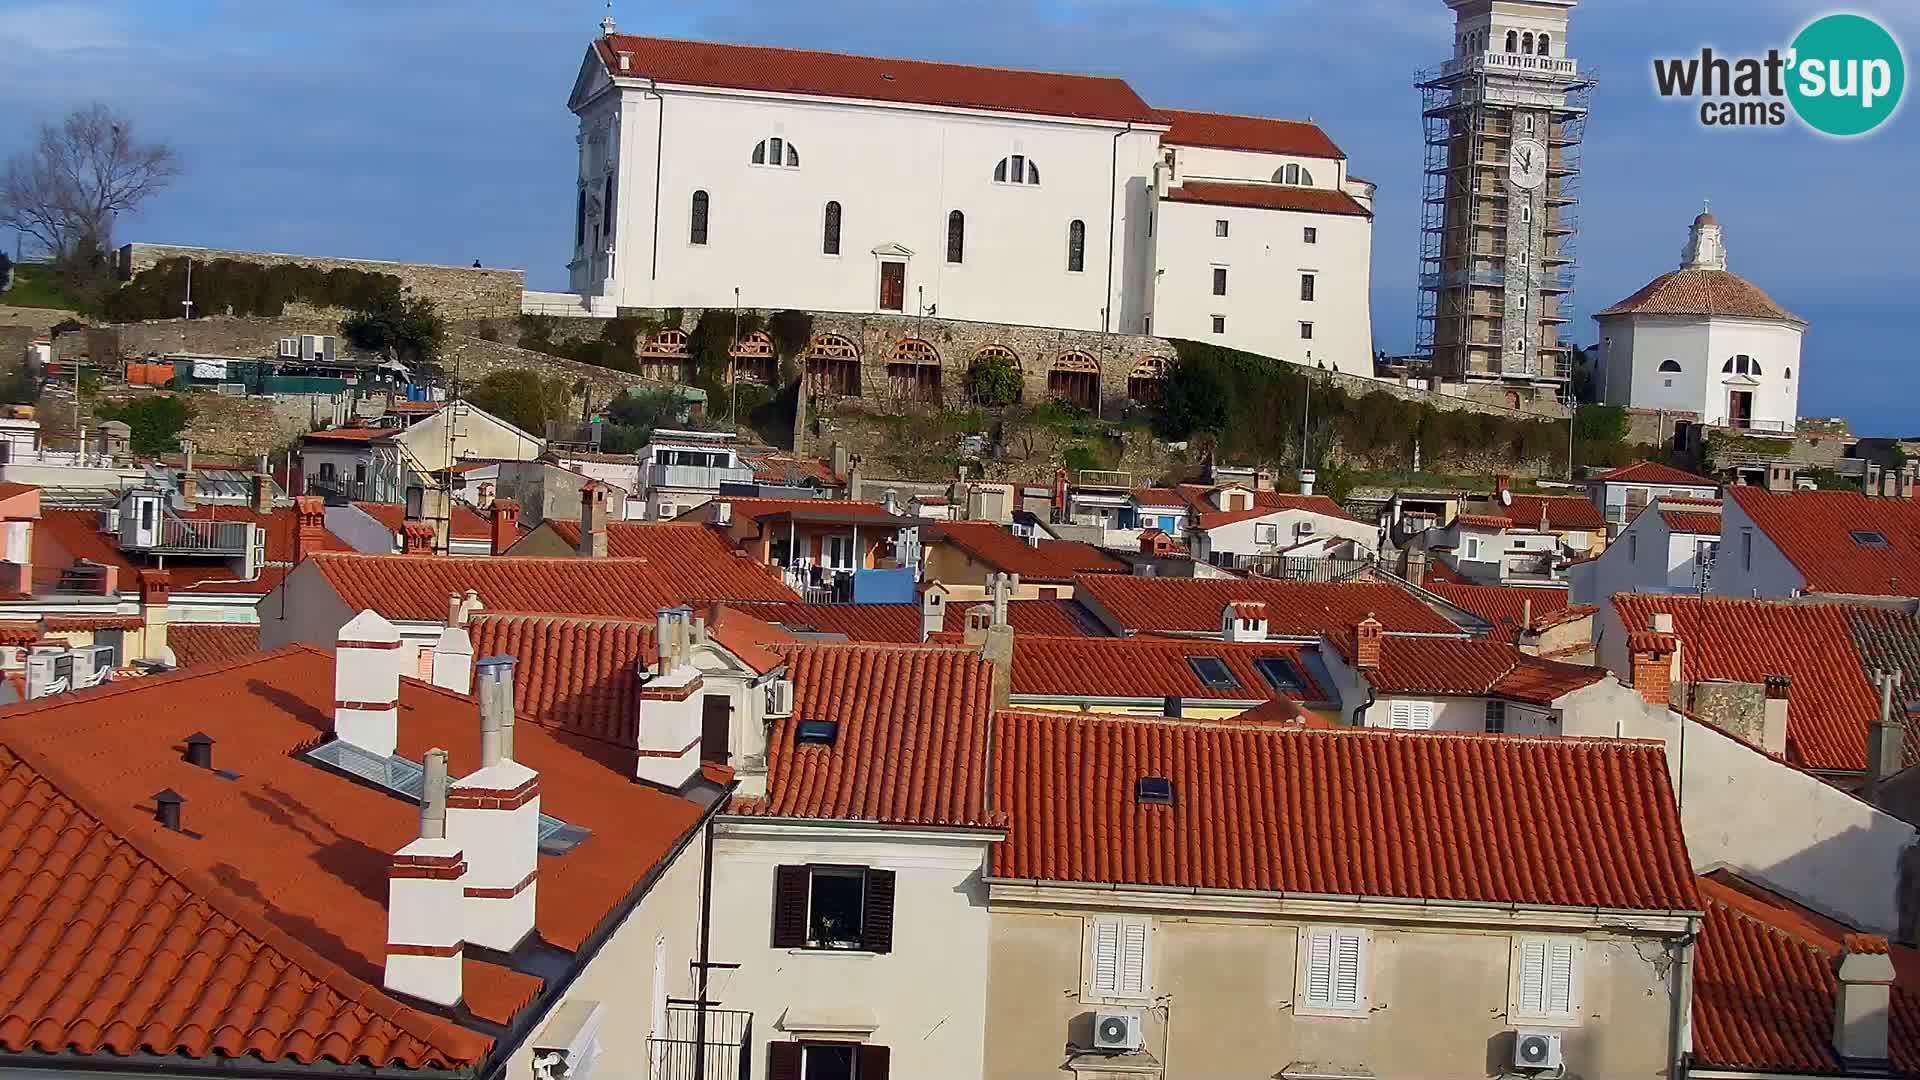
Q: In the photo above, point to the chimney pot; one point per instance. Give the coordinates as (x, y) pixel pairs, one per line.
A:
(1863, 999)
(494, 675)
(167, 803)
(433, 796)
(200, 750)
(504, 518)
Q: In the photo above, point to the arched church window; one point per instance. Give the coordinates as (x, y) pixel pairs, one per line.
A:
(830, 244)
(1513, 41)
(1076, 246)
(697, 225)
(1526, 42)
(956, 237)
(776, 151)
(1669, 365)
(1788, 373)
(1293, 174)
(608, 216)
(1540, 45)
(580, 219)
(1017, 169)
(1741, 364)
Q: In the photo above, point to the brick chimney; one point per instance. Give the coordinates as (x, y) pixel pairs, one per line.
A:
(1863, 1000)
(1653, 653)
(310, 526)
(504, 518)
(593, 520)
(1502, 486)
(1773, 725)
(416, 538)
(1366, 643)
(366, 684)
(670, 705)
(154, 587)
(493, 814)
(426, 887)
(262, 487)
(1059, 495)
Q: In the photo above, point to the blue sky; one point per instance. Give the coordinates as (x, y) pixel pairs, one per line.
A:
(437, 130)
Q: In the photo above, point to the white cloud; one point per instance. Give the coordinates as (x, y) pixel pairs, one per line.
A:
(61, 28)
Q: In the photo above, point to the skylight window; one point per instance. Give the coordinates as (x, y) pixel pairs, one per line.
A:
(821, 732)
(1869, 538)
(1213, 672)
(407, 779)
(1282, 674)
(1154, 789)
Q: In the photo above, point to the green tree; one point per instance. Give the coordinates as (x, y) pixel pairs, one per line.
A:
(525, 399)
(155, 422)
(994, 380)
(1192, 399)
(402, 328)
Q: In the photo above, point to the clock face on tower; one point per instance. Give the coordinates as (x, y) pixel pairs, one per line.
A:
(1527, 165)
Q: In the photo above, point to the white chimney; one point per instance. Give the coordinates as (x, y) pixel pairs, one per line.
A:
(1307, 478)
(1863, 1000)
(1773, 725)
(425, 893)
(1244, 620)
(366, 684)
(493, 815)
(933, 613)
(453, 660)
(670, 707)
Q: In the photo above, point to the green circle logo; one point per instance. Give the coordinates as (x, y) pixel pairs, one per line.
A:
(1847, 75)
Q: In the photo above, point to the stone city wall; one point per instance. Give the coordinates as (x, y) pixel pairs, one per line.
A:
(215, 335)
(459, 291)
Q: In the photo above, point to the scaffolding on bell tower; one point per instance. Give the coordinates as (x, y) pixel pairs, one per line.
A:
(1497, 261)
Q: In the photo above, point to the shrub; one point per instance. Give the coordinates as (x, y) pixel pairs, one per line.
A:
(525, 399)
(407, 329)
(155, 422)
(244, 288)
(994, 381)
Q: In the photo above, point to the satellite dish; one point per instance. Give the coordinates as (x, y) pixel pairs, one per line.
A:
(1506, 497)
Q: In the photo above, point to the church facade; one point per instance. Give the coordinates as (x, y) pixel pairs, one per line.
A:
(712, 175)
(1706, 341)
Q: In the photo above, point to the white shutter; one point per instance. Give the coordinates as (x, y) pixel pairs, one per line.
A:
(1423, 715)
(1105, 963)
(1346, 969)
(1320, 967)
(1559, 988)
(1133, 959)
(1400, 715)
(1533, 977)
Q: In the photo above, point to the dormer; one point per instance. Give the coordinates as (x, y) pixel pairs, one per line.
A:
(1244, 620)
(1232, 497)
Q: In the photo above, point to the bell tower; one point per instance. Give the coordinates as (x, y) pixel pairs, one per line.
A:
(1503, 120)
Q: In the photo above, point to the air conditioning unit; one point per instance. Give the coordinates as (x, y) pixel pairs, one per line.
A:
(1116, 1032)
(290, 348)
(780, 698)
(1303, 528)
(1536, 1050)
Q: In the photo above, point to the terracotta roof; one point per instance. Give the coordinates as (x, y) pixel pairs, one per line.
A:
(910, 746)
(1691, 521)
(1653, 472)
(77, 534)
(839, 75)
(198, 643)
(1295, 609)
(1351, 812)
(264, 930)
(1284, 711)
(1503, 606)
(1814, 530)
(1049, 561)
(1259, 134)
(1764, 983)
(577, 675)
(353, 434)
(1468, 668)
(463, 524)
(899, 623)
(1564, 512)
(1828, 650)
(1053, 618)
(1148, 667)
(1702, 292)
(755, 509)
(1267, 197)
(1486, 521)
(1166, 497)
(414, 588)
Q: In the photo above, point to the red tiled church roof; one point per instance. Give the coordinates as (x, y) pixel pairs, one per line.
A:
(1653, 472)
(1295, 609)
(1267, 197)
(1351, 812)
(1814, 530)
(1259, 134)
(1702, 292)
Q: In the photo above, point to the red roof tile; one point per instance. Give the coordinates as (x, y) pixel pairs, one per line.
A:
(839, 75)
(1049, 561)
(1487, 521)
(1295, 609)
(284, 875)
(1814, 530)
(353, 434)
(1225, 131)
(414, 588)
(898, 623)
(1504, 606)
(1691, 521)
(1166, 497)
(1764, 983)
(1267, 197)
(572, 674)
(1564, 512)
(1469, 668)
(1053, 618)
(195, 644)
(1702, 292)
(1653, 472)
(1269, 502)
(1146, 667)
(463, 524)
(76, 535)
(1349, 812)
(911, 744)
(756, 509)
(1826, 648)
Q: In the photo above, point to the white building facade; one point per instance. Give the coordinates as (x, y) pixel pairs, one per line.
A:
(715, 174)
(1704, 340)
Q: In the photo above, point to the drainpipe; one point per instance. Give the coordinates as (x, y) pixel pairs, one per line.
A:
(1113, 198)
(706, 936)
(659, 140)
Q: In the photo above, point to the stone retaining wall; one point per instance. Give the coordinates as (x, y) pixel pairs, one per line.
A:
(459, 291)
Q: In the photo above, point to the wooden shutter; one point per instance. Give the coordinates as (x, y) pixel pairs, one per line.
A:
(1558, 996)
(790, 907)
(1347, 955)
(1533, 977)
(870, 1062)
(1104, 976)
(783, 1061)
(1320, 967)
(876, 924)
(1134, 943)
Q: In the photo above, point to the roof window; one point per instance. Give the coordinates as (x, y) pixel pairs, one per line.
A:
(1214, 672)
(1155, 790)
(820, 732)
(1869, 538)
(1281, 673)
(407, 779)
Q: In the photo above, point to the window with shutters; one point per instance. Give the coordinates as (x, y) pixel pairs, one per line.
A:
(833, 907)
(1406, 715)
(1332, 975)
(819, 1060)
(1545, 980)
(1119, 958)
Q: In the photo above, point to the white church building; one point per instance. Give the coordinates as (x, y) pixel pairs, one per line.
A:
(714, 174)
(1704, 340)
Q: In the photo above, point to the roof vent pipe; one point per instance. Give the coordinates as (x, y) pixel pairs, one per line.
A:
(433, 797)
(167, 804)
(494, 677)
(200, 750)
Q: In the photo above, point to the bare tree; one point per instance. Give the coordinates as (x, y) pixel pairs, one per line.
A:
(66, 189)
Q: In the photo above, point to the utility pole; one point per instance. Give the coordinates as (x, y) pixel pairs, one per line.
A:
(733, 383)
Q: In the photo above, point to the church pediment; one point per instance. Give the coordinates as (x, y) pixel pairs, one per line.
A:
(591, 80)
(893, 251)
(1741, 381)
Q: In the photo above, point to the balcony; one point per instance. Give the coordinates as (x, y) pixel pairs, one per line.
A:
(717, 1045)
(694, 477)
(181, 536)
(1506, 63)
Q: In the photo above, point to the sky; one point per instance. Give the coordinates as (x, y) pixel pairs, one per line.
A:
(437, 130)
